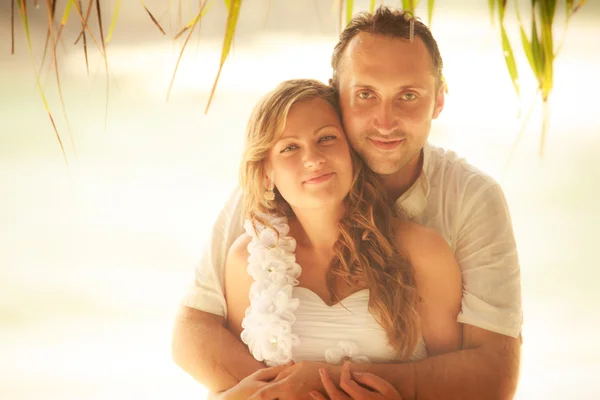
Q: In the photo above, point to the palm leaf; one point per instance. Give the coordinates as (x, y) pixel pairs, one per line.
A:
(536, 51)
(84, 25)
(430, 5)
(571, 10)
(372, 6)
(509, 57)
(527, 46)
(152, 17)
(232, 17)
(25, 22)
(194, 21)
(51, 6)
(64, 19)
(113, 23)
(492, 7)
(12, 26)
(349, 8)
(190, 26)
(100, 27)
(85, 53)
(341, 10)
(410, 5)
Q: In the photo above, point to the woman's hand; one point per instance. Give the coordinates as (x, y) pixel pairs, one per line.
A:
(349, 382)
(294, 383)
(253, 383)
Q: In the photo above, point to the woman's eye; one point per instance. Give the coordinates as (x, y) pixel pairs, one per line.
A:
(289, 148)
(327, 138)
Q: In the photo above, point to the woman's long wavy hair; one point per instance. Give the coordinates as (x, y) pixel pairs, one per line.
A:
(365, 255)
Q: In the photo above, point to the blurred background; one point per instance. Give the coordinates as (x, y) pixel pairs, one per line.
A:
(92, 267)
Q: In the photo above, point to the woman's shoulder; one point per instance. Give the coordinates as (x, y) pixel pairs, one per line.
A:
(414, 239)
(238, 252)
(425, 249)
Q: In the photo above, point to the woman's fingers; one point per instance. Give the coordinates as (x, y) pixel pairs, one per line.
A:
(332, 391)
(377, 384)
(317, 396)
(349, 386)
(269, 373)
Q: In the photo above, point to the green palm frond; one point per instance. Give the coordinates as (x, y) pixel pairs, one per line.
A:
(233, 7)
(536, 36)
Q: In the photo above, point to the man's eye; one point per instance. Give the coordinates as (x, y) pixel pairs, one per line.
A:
(409, 96)
(364, 95)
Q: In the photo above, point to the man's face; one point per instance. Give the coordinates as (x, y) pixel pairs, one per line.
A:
(388, 98)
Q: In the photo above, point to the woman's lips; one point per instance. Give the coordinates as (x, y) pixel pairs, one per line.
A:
(320, 178)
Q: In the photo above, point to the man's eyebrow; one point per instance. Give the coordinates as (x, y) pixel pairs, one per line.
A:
(363, 86)
(398, 88)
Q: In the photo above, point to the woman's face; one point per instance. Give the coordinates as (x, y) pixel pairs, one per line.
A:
(311, 163)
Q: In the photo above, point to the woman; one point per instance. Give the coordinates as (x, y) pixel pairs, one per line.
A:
(326, 271)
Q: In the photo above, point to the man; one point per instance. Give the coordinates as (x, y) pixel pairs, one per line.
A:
(388, 72)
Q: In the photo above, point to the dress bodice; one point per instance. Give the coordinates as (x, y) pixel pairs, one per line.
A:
(286, 322)
(344, 330)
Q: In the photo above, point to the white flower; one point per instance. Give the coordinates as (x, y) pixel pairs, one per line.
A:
(267, 326)
(344, 351)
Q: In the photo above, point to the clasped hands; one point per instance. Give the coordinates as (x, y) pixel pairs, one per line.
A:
(307, 380)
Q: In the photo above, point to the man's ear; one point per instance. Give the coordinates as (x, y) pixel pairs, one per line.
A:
(439, 101)
(331, 82)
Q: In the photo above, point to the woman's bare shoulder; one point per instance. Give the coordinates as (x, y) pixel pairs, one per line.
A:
(238, 252)
(415, 239)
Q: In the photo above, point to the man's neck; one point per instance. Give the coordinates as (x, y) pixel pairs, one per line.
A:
(316, 229)
(398, 183)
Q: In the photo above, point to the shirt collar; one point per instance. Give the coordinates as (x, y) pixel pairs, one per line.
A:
(414, 200)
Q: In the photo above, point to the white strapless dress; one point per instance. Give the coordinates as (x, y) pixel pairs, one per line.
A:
(286, 322)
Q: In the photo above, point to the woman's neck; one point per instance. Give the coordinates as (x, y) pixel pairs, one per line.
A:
(316, 229)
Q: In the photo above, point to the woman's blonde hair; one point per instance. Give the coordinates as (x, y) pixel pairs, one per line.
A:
(365, 252)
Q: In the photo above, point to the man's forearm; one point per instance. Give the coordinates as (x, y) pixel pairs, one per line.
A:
(210, 353)
(478, 373)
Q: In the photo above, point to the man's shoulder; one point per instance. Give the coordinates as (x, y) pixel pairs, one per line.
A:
(446, 170)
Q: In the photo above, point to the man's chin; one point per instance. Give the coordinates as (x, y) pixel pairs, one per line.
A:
(387, 168)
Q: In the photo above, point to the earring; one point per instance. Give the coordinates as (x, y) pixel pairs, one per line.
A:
(269, 194)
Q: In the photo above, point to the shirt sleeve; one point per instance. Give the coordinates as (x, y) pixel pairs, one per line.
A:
(487, 254)
(207, 291)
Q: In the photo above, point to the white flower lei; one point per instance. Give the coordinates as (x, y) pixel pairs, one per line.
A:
(267, 326)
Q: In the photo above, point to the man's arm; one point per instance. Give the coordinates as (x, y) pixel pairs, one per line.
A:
(201, 345)
(204, 348)
(486, 368)
(488, 365)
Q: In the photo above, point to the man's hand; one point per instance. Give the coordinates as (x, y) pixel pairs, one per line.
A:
(252, 383)
(293, 383)
(373, 387)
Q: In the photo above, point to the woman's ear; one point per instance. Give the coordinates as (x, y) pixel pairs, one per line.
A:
(268, 179)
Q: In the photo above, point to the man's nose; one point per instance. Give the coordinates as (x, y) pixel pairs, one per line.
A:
(385, 118)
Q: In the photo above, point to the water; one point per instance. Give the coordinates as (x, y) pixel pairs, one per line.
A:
(92, 272)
